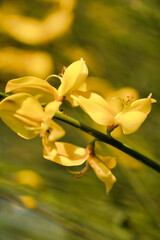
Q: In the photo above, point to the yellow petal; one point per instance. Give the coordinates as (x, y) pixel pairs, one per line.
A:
(142, 105)
(37, 87)
(102, 172)
(21, 112)
(116, 104)
(65, 154)
(83, 87)
(110, 162)
(74, 76)
(51, 108)
(95, 106)
(130, 121)
(52, 132)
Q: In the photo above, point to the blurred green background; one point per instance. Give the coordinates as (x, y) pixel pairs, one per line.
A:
(120, 42)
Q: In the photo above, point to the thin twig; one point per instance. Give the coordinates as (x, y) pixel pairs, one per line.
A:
(109, 140)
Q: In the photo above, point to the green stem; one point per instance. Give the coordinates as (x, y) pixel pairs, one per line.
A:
(104, 138)
(3, 95)
(109, 140)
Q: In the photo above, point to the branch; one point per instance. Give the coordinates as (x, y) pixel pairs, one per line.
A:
(109, 140)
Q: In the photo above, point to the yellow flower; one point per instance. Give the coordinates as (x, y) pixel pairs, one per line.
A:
(24, 115)
(115, 112)
(133, 114)
(68, 154)
(73, 79)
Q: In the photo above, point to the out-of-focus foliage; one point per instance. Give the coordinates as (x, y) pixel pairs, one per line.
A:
(31, 30)
(25, 62)
(119, 40)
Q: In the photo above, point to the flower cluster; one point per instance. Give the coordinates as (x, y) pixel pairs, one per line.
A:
(32, 103)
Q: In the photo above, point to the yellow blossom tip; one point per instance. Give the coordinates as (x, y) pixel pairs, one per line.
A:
(152, 99)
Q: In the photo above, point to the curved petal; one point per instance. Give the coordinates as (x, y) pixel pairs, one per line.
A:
(142, 105)
(130, 121)
(65, 154)
(102, 172)
(37, 87)
(22, 113)
(95, 106)
(74, 76)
